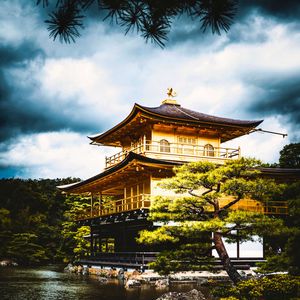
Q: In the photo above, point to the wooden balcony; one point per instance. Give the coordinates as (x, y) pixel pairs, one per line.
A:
(117, 206)
(271, 208)
(177, 152)
(144, 201)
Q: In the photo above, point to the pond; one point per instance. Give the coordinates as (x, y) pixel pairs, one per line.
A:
(52, 283)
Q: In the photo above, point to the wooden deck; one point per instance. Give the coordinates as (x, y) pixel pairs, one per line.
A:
(140, 260)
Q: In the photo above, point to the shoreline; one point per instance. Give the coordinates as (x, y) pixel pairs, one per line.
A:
(135, 278)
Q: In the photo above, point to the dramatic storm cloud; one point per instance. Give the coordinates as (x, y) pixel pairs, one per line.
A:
(53, 95)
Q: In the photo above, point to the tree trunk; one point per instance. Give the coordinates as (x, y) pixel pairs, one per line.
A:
(223, 255)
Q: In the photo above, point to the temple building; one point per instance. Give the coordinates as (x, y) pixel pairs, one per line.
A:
(152, 140)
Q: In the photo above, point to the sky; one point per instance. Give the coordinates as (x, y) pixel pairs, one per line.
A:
(53, 95)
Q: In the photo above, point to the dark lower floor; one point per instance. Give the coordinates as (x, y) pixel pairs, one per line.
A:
(114, 244)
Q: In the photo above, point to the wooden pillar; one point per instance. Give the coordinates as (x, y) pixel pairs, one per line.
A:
(137, 199)
(144, 144)
(92, 241)
(100, 203)
(237, 245)
(124, 200)
(131, 197)
(92, 203)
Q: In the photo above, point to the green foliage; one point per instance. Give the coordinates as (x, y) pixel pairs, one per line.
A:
(31, 218)
(24, 249)
(290, 156)
(188, 221)
(74, 236)
(289, 240)
(277, 287)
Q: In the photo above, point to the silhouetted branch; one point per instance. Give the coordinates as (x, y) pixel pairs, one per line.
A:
(151, 18)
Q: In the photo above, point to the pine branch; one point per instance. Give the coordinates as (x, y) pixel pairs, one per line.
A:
(209, 201)
(151, 18)
(65, 22)
(230, 204)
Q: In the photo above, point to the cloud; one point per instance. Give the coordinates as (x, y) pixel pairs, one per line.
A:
(15, 83)
(284, 10)
(280, 97)
(51, 91)
(52, 155)
(263, 146)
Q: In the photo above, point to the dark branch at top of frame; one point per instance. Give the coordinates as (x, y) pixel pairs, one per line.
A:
(152, 19)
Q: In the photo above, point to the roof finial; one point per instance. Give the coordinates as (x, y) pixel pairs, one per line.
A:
(171, 94)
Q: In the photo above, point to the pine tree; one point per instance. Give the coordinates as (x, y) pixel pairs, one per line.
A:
(151, 18)
(199, 221)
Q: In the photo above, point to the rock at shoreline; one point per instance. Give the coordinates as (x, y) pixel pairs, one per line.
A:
(121, 274)
(130, 283)
(8, 263)
(102, 279)
(79, 269)
(162, 283)
(191, 295)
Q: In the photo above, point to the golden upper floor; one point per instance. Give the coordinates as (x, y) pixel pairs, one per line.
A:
(174, 133)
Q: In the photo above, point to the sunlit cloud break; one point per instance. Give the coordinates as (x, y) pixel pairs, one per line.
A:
(54, 95)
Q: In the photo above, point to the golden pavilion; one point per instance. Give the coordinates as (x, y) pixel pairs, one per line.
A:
(152, 140)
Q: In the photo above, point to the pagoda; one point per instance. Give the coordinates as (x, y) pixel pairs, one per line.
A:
(152, 140)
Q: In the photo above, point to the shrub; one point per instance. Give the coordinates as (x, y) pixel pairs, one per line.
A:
(277, 287)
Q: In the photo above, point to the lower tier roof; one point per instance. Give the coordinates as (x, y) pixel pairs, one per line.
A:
(125, 170)
(135, 165)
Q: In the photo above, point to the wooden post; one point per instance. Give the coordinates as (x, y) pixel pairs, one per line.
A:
(137, 196)
(239, 152)
(92, 205)
(92, 241)
(144, 147)
(124, 200)
(237, 245)
(100, 203)
(131, 197)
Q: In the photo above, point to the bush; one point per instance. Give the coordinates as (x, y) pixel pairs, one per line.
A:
(277, 287)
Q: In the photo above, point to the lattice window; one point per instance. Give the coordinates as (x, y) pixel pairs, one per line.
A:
(209, 150)
(186, 140)
(164, 146)
(186, 145)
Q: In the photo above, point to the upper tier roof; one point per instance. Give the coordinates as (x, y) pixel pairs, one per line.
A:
(172, 113)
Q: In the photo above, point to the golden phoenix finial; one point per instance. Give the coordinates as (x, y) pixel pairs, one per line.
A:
(171, 93)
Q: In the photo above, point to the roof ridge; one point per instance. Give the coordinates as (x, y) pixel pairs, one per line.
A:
(186, 113)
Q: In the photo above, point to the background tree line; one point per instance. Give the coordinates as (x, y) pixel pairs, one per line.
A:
(37, 222)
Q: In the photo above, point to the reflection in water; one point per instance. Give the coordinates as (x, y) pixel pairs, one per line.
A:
(51, 283)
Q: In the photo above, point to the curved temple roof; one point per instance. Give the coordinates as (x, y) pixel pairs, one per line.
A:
(174, 113)
(280, 174)
(85, 185)
(177, 112)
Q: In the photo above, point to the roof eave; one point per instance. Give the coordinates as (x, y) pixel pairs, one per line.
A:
(96, 139)
(69, 188)
(127, 119)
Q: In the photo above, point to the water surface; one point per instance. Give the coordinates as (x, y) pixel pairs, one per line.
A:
(52, 283)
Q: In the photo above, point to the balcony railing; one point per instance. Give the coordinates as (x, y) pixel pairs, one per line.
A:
(176, 151)
(144, 201)
(117, 206)
(269, 208)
